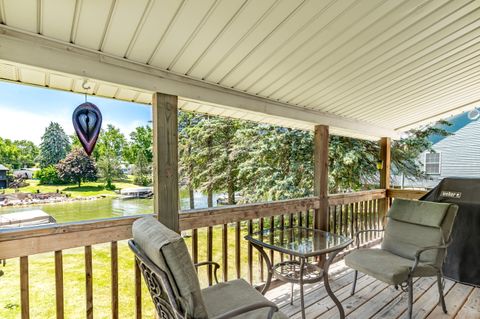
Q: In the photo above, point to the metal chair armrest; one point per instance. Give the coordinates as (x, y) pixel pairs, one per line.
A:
(247, 308)
(420, 251)
(357, 239)
(209, 263)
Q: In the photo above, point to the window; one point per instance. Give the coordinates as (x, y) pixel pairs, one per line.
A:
(432, 163)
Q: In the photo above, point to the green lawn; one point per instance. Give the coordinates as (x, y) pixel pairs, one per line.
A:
(87, 189)
(42, 282)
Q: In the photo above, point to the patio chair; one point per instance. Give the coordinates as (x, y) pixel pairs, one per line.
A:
(414, 245)
(172, 280)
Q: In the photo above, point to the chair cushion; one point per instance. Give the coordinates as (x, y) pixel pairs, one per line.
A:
(227, 296)
(385, 266)
(418, 212)
(168, 251)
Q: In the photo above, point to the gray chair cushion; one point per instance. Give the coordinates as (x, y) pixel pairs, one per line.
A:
(168, 251)
(386, 266)
(227, 296)
(405, 239)
(418, 212)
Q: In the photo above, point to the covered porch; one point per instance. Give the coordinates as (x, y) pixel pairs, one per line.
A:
(369, 70)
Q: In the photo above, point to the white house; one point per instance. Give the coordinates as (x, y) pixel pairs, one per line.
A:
(457, 155)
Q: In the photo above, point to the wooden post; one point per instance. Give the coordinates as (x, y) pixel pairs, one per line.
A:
(165, 159)
(321, 142)
(385, 144)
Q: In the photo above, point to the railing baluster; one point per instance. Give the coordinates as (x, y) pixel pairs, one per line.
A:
(345, 223)
(356, 217)
(237, 249)
(260, 257)
(195, 245)
(209, 253)
(282, 226)
(24, 288)
(335, 219)
(307, 218)
(365, 219)
(88, 282)
(250, 254)
(351, 213)
(340, 220)
(59, 298)
(272, 225)
(225, 252)
(138, 291)
(114, 271)
(299, 219)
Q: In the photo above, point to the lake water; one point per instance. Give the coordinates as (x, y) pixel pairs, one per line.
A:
(104, 208)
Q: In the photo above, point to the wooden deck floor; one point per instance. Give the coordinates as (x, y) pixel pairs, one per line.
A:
(374, 299)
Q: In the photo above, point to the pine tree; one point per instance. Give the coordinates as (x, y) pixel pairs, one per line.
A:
(55, 145)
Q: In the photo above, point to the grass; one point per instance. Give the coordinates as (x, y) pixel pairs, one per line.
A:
(42, 278)
(87, 189)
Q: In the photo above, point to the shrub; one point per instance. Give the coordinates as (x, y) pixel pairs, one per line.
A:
(48, 176)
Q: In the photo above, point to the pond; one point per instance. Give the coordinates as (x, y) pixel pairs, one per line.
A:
(105, 207)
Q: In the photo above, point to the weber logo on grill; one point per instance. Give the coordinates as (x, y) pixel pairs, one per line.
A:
(450, 194)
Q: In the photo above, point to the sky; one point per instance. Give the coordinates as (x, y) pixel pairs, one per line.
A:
(25, 111)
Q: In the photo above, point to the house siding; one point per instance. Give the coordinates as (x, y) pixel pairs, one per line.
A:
(460, 157)
(460, 154)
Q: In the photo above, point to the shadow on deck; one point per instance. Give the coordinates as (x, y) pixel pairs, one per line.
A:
(374, 299)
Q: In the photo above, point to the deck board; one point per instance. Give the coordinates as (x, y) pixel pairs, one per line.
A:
(376, 300)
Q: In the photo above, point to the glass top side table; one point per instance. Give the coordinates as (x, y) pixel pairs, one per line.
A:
(301, 243)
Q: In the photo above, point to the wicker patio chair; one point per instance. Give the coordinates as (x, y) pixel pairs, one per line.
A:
(170, 275)
(415, 241)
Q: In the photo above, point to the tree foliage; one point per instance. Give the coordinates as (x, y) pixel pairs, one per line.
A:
(55, 145)
(110, 146)
(77, 167)
(48, 176)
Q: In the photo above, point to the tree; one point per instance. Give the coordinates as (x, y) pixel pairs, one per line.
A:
(279, 164)
(187, 148)
(77, 167)
(55, 145)
(141, 140)
(142, 172)
(110, 147)
(28, 153)
(9, 153)
(48, 176)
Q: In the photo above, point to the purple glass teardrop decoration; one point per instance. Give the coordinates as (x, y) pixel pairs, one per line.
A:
(87, 121)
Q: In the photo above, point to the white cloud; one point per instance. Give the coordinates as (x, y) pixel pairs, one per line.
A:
(21, 125)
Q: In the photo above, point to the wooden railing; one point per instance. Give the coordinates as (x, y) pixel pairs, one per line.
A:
(406, 193)
(211, 234)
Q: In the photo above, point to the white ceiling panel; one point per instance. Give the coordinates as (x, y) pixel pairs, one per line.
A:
(107, 90)
(225, 12)
(61, 82)
(32, 76)
(57, 18)
(183, 29)
(156, 23)
(8, 72)
(21, 14)
(391, 64)
(126, 19)
(93, 19)
(275, 18)
(250, 16)
(127, 94)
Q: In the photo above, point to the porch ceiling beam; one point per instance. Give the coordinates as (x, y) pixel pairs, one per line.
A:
(39, 51)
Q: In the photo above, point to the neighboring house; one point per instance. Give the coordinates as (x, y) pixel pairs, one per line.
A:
(457, 155)
(3, 177)
(26, 173)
